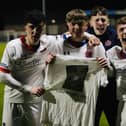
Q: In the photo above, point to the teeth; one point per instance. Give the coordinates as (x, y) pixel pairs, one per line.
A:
(100, 28)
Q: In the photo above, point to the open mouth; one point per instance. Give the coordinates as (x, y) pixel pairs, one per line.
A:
(124, 39)
(100, 29)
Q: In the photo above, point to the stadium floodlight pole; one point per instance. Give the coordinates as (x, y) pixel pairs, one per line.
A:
(43, 7)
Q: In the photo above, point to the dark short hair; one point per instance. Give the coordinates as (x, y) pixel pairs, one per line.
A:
(99, 10)
(35, 17)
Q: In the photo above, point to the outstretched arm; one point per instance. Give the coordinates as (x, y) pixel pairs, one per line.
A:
(92, 39)
(9, 80)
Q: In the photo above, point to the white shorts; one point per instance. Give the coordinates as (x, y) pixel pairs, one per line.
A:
(6, 108)
(20, 114)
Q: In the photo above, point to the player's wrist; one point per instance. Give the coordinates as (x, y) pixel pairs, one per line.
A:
(26, 89)
(88, 35)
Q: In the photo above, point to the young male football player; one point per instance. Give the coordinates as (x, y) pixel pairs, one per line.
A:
(21, 69)
(65, 110)
(117, 56)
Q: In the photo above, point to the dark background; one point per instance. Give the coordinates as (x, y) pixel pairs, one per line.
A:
(11, 12)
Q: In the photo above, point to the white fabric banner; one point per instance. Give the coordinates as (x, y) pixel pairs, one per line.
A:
(120, 66)
(72, 85)
(72, 68)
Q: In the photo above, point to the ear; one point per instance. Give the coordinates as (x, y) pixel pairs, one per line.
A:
(25, 27)
(108, 24)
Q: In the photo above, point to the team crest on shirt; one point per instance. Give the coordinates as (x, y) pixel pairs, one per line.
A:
(108, 43)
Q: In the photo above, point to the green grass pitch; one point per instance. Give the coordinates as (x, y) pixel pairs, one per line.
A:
(2, 46)
(103, 121)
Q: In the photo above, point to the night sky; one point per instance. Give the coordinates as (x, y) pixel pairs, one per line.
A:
(12, 11)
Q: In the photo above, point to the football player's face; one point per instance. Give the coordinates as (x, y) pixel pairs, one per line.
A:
(99, 24)
(33, 32)
(121, 31)
(77, 29)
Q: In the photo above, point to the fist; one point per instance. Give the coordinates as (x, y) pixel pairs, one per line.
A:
(38, 91)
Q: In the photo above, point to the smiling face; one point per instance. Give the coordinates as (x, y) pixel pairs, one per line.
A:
(34, 26)
(33, 33)
(121, 31)
(99, 20)
(77, 24)
(99, 23)
(77, 29)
